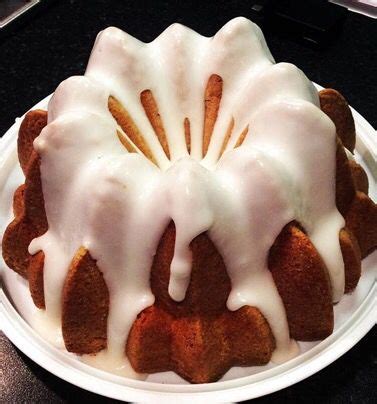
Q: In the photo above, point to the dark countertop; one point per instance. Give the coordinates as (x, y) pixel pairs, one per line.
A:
(55, 44)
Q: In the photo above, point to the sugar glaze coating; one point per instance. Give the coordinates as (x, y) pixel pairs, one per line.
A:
(118, 204)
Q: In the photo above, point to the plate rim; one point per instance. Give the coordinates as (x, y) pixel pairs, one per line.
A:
(279, 377)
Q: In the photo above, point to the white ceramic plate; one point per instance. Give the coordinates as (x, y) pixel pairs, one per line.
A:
(354, 317)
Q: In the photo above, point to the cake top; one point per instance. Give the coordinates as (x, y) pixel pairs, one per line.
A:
(207, 132)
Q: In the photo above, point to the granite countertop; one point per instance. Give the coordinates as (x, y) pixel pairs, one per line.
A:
(55, 44)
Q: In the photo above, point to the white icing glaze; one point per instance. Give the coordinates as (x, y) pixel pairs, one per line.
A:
(118, 204)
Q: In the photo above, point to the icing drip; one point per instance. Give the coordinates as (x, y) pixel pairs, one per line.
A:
(118, 204)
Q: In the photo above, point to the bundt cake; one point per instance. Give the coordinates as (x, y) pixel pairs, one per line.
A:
(189, 205)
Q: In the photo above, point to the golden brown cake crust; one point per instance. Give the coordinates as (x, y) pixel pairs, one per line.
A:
(151, 329)
(85, 306)
(151, 110)
(336, 107)
(212, 99)
(29, 222)
(31, 127)
(125, 121)
(345, 187)
(303, 284)
(198, 351)
(359, 176)
(361, 219)
(352, 259)
(18, 200)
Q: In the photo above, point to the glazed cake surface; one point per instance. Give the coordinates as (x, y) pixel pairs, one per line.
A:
(184, 191)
